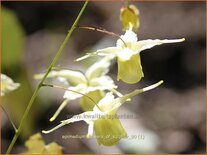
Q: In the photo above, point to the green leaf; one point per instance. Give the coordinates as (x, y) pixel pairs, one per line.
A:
(12, 39)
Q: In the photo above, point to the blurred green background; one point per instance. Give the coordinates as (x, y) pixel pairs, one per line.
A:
(172, 118)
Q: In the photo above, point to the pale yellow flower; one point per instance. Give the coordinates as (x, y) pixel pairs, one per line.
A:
(129, 17)
(103, 119)
(7, 84)
(127, 51)
(93, 84)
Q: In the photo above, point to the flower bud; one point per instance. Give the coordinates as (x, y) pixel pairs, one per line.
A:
(129, 17)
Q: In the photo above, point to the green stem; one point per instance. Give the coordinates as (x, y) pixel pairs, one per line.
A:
(54, 61)
(127, 3)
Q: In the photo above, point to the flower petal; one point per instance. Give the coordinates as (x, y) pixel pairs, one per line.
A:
(147, 44)
(7, 84)
(129, 38)
(102, 83)
(105, 103)
(90, 129)
(73, 77)
(109, 51)
(129, 17)
(119, 101)
(130, 71)
(109, 131)
(126, 54)
(98, 69)
(111, 105)
(85, 116)
(60, 108)
(81, 88)
(86, 104)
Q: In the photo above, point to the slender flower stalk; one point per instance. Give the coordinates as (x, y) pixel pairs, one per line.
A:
(54, 61)
(9, 118)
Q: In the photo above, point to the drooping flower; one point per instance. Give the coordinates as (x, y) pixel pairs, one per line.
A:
(103, 119)
(129, 17)
(127, 51)
(93, 84)
(7, 84)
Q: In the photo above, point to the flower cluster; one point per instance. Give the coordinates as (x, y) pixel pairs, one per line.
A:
(95, 84)
(92, 84)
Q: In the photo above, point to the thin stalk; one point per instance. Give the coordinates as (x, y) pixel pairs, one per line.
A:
(9, 118)
(54, 61)
(102, 31)
(127, 3)
(59, 87)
